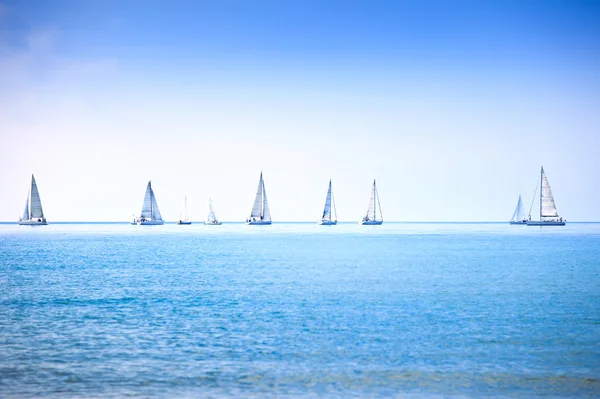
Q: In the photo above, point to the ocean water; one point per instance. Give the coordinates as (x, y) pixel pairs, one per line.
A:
(300, 310)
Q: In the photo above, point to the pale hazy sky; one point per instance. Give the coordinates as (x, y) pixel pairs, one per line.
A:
(452, 106)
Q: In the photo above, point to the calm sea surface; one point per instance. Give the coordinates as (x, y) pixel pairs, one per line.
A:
(403, 310)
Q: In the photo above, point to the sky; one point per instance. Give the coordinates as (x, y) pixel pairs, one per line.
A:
(452, 106)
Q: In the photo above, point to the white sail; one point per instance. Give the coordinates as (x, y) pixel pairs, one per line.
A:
(373, 215)
(371, 210)
(519, 213)
(258, 201)
(155, 211)
(260, 210)
(327, 208)
(211, 212)
(147, 205)
(26, 211)
(36, 203)
(266, 214)
(547, 205)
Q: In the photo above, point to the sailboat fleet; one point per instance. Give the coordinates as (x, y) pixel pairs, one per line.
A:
(33, 215)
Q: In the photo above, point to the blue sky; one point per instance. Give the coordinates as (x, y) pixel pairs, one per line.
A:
(452, 106)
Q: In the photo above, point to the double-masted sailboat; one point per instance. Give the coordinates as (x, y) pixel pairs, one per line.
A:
(373, 216)
(185, 220)
(150, 213)
(326, 218)
(548, 213)
(33, 215)
(211, 218)
(260, 210)
(518, 216)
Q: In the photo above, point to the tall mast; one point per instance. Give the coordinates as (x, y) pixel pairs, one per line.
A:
(151, 202)
(262, 196)
(374, 201)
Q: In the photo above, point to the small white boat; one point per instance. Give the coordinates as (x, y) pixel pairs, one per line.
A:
(518, 216)
(186, 218)
(326, 219)
(548, 213)
(211, 218)
(150, 215)
(33, 215)
(374, 210)
(260, 214)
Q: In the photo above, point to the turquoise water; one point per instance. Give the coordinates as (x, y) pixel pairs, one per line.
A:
(288, 310)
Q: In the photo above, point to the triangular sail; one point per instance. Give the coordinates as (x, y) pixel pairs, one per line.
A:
(519, 213)
(327, 208)
(147, 205)
(258, 201)
(155, 211)
(374, 207)
(211, 212)
(548, 207)
(36, 203)
(371, 211)
(333, 203)
(26, 211)
(266, 214)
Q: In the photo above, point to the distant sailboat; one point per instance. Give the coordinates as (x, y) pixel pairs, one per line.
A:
(150, 214)
(548, 213)
(211, 219)
(260, 211)
(518, 216)
(33, 215)
(374, 210)
(326, 219)
(186, 218)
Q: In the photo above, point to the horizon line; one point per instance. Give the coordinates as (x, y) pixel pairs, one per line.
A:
(302, 221)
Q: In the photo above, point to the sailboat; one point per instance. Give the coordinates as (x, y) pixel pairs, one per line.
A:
(374, 207)
(150, 214)
(211, 219)
(186, 218)
(548, 213)
(260, 211)
(326, 219)
(33, 215)
(518, 216)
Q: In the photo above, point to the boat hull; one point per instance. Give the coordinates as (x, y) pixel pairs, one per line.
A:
(371, 222)
(150, 223)
(34, 222)
(327, 222)
(545, 223)
(212, 223)
(258, 222)
(522, 222)
(183, 222)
